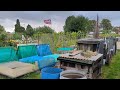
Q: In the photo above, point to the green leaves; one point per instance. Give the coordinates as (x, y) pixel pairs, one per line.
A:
(29, 30)
(3, 37)
(2, 29)
(79, 23)
(44, 29)
(18, 27)
(106, 24)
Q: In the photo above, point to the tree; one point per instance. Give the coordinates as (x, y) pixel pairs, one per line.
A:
(22, 29)
(91, 25)
(3, 37)
(29, 30)
(106, 24)
(116, 29)
(44, 29)
(17, 36)
(2, 29)
(67, 26)
(18, 22)
(18, 27)
(75, 24)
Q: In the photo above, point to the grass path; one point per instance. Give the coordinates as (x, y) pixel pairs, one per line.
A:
(113, 70)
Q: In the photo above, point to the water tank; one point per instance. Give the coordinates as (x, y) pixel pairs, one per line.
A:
(50, 73)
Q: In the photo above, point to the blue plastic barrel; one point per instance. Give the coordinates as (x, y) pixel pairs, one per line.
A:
(50, 73)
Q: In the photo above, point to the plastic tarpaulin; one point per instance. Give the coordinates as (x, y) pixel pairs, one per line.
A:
(7, 54)
(26, 51)
(31, 59)
(46, 62)
(55, 56)
(43, 52)
(65, 49)
(43, 49)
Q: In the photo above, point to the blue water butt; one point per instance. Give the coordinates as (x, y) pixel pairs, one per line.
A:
(50, 73)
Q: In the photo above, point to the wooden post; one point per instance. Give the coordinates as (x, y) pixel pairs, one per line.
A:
(26, 39)
(96, 32)
(38, 38)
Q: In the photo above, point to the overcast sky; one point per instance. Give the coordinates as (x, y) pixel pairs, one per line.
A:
(36, 18)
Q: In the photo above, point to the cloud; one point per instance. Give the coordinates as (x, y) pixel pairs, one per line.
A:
(36, 18)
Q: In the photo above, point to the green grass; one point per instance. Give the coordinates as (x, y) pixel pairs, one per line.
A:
(113, 70)
(34, 75)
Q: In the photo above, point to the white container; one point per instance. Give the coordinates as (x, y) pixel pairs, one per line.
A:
(73, 74)
(104, 60)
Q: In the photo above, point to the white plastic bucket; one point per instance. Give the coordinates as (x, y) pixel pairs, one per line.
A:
(72, 74)
(104, 60)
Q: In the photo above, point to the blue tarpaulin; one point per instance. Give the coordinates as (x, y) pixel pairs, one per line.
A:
(43, 49)
(55, 56)
(31, 59)
(46, 62)
(45, 58)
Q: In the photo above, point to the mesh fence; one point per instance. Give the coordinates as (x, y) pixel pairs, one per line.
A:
(26, 51)
(7, 54)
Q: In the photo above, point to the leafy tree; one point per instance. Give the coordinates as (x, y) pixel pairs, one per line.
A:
(91, 25)
(18, 27)
(29, 30)
(2, 29)
(44, 29)
(106, 24)
(75, 24)
(67, 26)
(17, 36)
(22, 29)
(116, 29)
(3, 37)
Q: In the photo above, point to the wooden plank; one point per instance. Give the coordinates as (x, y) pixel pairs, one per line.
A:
(79, 57)
(73, 53)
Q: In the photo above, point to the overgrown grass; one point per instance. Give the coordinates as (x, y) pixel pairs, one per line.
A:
(113, 70)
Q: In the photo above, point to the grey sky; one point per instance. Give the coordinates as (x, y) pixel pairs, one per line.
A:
(36, 18)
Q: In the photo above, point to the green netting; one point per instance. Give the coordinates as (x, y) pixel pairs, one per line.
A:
(26, 51)
(7, 54)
